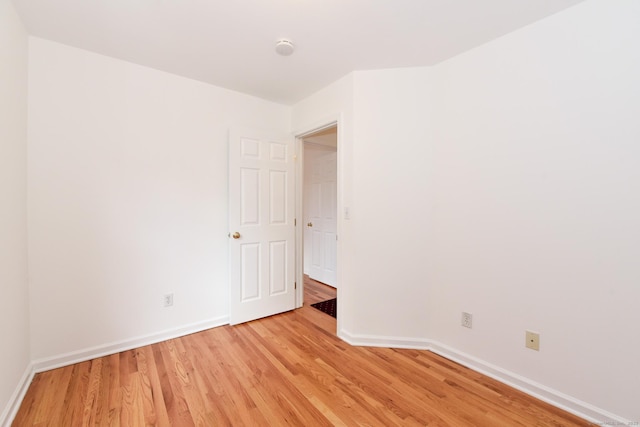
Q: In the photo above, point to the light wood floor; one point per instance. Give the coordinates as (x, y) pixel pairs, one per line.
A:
(288, 369)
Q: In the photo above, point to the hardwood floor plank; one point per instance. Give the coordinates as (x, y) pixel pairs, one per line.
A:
(288, 369)
(155, 409)
(49, 406)
(102, 412)
(91, 405)
(316, 292)
(31, 402)
(177, 406)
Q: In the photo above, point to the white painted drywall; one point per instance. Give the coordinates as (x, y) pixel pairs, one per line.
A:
(517, 162)
(537, 195)
(128, 197)
(335, 102)
(392, 184)
(14, 304)
(504, 182)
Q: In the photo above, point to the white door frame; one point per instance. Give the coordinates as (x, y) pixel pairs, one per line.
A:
(300, 134)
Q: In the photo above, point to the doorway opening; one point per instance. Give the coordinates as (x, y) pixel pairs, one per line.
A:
(318, 213)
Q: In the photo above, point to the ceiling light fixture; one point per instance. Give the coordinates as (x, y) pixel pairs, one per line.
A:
(284, 47)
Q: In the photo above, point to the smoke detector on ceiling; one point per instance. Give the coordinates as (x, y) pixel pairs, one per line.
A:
(284, 47)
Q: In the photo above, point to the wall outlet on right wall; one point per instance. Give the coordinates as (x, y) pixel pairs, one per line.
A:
(532, 340)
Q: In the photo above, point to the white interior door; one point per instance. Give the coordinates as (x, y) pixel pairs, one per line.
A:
(261, 225)
(322, 221)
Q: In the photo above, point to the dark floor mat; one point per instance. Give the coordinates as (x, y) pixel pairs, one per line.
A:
(328, 306)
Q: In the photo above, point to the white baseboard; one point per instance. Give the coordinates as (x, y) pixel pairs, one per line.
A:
(54, 362)
(13, 405)
(570, 404)
(546, 394)
(384, 341)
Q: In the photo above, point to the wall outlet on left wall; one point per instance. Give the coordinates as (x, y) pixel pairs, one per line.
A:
(467, 320)
(167, 300)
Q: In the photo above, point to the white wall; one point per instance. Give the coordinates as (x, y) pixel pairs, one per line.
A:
(392, 209)
(14, 308)
(384, 146)
(538, 202)
(336, 102)
(504, 182)
(128, 198)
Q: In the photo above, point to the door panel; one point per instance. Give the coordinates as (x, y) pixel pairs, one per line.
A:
(261, 211)
(278, 268)
(249, 196)
(277, 197)
(323, 218)
(250, 266)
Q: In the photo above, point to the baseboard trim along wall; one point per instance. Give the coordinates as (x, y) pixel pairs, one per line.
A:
(532, 388)
(546, 394)
(13, 405)
(54, 362)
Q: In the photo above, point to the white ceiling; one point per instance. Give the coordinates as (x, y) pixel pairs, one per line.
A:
(231, 43)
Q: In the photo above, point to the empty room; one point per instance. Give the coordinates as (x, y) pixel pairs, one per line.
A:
(181, 181)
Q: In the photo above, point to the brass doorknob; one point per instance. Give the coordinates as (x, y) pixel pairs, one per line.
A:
(309, 224)
(236, 235)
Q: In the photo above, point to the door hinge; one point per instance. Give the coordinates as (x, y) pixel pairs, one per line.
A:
(295, 222)
(295, 285)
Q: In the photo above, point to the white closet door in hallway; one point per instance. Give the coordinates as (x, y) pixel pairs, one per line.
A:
(321, 218)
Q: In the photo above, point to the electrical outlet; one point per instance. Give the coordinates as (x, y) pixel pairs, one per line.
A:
(167, 300)
(532, 340)
(467, 320)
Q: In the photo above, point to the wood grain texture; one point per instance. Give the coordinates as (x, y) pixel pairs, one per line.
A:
(288, 369)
